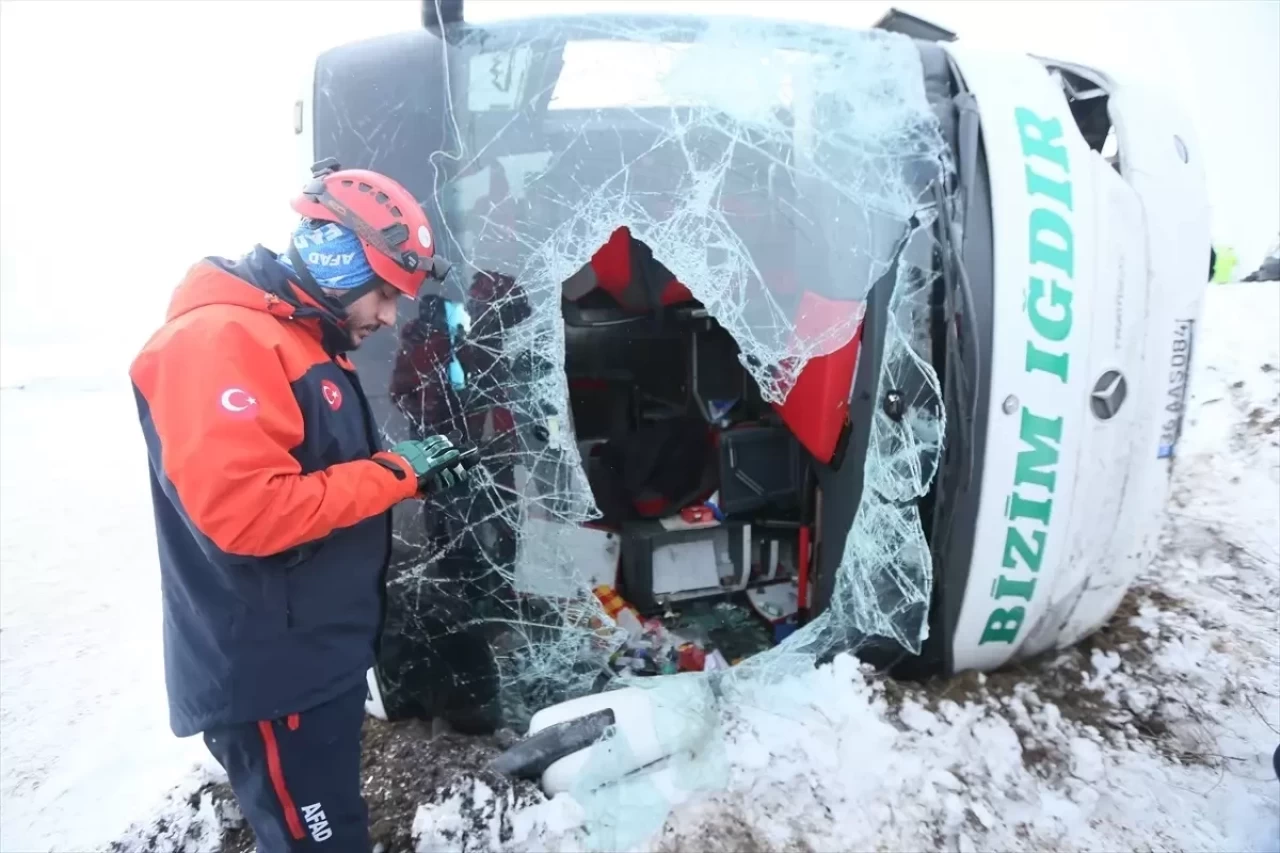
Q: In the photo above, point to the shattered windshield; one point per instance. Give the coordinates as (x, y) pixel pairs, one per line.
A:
(760, 178)
(799, 171)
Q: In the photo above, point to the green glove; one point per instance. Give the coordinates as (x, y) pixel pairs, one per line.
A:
(438, 464)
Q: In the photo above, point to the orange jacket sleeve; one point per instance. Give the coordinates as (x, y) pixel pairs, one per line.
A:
(225, 414)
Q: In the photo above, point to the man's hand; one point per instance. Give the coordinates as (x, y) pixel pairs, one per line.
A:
(438, 464)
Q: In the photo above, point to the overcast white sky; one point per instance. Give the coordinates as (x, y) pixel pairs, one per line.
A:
(137, 137)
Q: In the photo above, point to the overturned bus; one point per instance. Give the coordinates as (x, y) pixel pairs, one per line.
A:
(879, 342)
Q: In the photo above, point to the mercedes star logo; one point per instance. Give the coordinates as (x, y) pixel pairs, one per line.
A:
(1108, 395)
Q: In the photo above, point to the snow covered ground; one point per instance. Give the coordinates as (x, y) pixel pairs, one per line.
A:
(86, 745)
(1156, 733)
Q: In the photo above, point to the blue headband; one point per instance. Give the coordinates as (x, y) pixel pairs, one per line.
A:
(333, 255)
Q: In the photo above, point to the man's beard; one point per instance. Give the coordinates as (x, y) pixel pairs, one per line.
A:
(356, 339)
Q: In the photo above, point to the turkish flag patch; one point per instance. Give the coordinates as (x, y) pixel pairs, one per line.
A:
(332, 394)
(238, 403)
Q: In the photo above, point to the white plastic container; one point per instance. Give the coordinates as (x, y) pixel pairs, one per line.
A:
(676, 713)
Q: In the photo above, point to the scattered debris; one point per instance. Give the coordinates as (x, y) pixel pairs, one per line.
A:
(687, 639)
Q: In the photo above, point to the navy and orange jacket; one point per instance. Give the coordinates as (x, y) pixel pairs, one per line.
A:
(271, 496)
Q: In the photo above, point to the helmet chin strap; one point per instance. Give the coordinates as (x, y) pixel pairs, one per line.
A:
(331, 312)
(347, 297)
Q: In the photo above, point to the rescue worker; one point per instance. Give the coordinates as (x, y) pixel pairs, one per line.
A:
(272, 500)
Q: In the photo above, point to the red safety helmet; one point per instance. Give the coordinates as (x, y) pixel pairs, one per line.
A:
(391, 225)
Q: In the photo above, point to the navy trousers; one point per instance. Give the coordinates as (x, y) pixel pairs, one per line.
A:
(297, 778)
